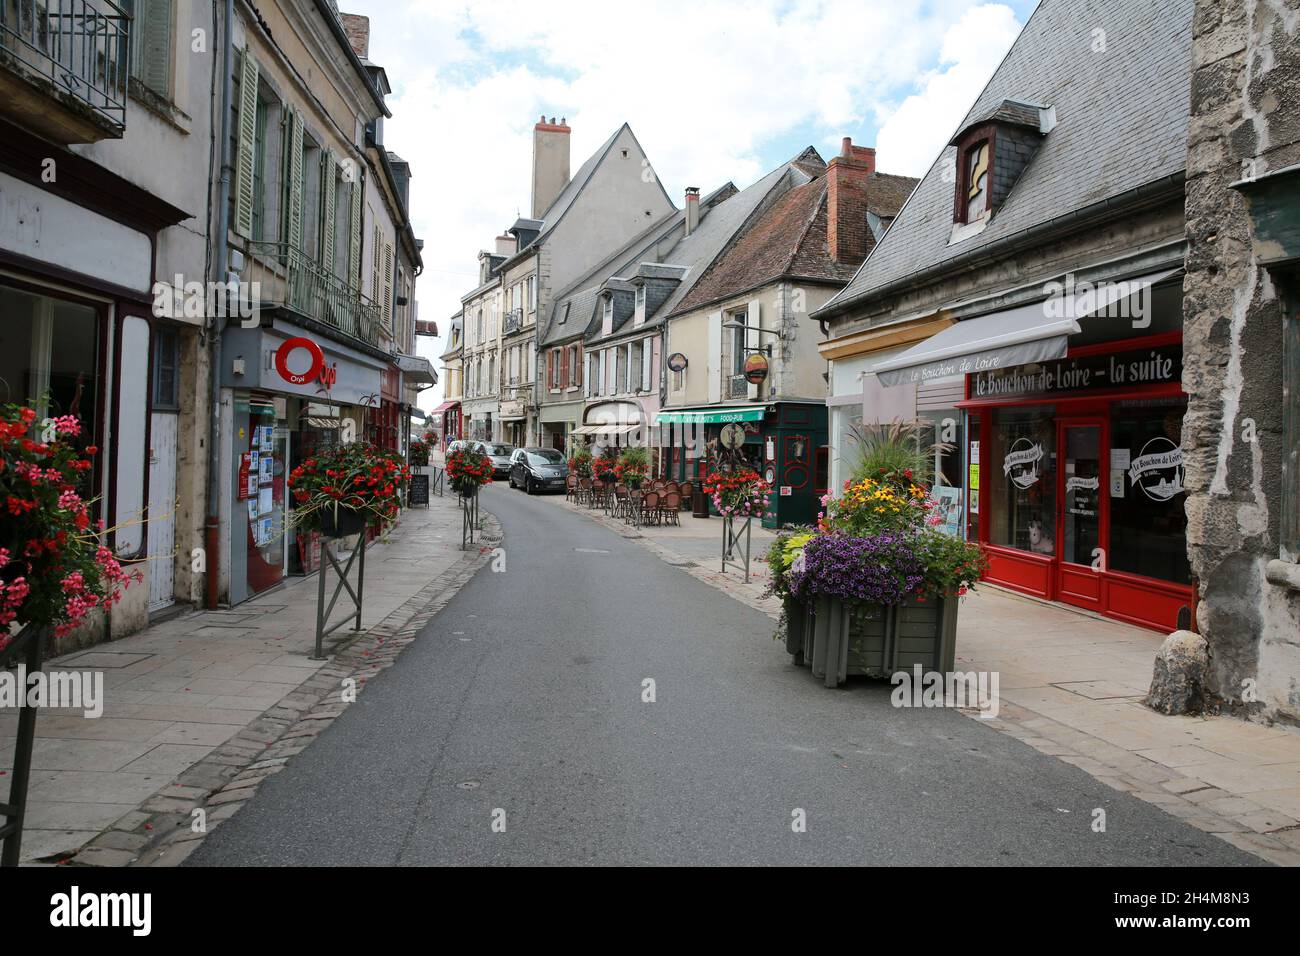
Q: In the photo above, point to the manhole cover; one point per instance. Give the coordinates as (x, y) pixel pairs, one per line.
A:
(467, 785)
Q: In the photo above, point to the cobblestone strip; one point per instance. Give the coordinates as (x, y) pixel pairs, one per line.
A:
(165, 831)
(1266, 833)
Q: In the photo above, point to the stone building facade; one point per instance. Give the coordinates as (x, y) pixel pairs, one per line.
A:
(1242, 361)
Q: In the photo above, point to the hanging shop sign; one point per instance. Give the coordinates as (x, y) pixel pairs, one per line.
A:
(1149, 366)
(677, 362)
(756, 369)
(1021, 462)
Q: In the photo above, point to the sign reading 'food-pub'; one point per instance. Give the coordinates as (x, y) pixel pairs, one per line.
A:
(1150, 366)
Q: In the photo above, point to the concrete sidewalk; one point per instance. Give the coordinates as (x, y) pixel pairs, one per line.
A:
(178, 692)
(1072, 685)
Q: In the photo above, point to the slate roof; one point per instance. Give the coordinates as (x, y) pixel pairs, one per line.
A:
(720, 219)
(1121, 124)
(789, 240)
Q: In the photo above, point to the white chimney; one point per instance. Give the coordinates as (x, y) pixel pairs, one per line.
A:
(506, 245)
(550, 163)
(692, 208)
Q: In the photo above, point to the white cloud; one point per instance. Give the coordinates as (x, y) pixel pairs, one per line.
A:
(916, 131)
(709, 87)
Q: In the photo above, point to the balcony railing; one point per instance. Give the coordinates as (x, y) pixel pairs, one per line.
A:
(289, 277)
(737, 386)
(514, 321)
(80, 47)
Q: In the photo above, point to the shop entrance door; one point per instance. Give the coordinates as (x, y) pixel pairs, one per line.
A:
(1082, 499)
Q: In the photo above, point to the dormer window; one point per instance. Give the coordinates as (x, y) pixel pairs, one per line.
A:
(992, 153)
(975, 185)
(607, 315)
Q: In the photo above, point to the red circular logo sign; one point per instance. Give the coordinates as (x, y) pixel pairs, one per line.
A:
(756, 369)
(288, 348)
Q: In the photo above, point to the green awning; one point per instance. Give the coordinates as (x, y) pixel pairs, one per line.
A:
(712, 416)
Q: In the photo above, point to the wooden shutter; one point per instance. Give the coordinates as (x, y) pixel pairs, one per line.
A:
(714, 365)
(328, 177)
(247, 132)
(154, 26)
(354, 236)
(388, 284)
(293, 179)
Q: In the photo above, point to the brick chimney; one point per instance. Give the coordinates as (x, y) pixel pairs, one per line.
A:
(848, 178)
(692, 208)
(357, 28)
(550, 163)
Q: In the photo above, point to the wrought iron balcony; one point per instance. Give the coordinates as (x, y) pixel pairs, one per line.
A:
(289, 278)
(514, 321)
(737, 386)
(64, 66)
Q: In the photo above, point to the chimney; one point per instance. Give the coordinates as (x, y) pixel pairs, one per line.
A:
(692, 208)
(506, 245)
(358, 30)
(848, 177)
(550, 163)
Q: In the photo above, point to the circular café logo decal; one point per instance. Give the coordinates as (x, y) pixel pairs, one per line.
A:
(756, 368)
(1158, 469)
(288, 348)
(1021, 462)
(677, 362)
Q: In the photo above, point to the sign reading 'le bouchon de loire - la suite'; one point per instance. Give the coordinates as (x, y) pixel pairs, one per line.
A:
(1149, 366)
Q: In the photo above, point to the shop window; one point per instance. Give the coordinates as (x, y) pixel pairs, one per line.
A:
(1021, 472)
(48, 357)
(1148, 525)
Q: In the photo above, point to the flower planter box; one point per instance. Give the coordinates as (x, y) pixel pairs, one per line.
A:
(873, 640)
(798, 630)
(347, 523)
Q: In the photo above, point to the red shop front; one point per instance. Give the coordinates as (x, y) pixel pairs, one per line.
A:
(1076, 479)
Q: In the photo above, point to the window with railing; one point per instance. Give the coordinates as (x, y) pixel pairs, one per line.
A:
(287, 276)
(81, 47)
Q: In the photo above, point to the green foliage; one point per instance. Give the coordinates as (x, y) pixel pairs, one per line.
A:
(898, 453)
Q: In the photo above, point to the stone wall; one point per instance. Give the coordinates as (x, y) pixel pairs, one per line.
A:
(1244, 122)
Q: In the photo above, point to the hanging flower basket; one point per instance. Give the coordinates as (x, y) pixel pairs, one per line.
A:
(350, 486)
(467, 468)
(54, 568)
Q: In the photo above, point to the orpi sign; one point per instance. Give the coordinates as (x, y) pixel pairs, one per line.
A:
(317, 370)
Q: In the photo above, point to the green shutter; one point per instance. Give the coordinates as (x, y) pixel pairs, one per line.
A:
(154, 27)
(388, 284)
(293, 219)
(354, 236)
(247, 132)
(328, 178)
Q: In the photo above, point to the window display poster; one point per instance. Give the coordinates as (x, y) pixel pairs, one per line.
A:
(267, 466)
(267, 444)
(265, 500)
(266, 531)
(949, 510)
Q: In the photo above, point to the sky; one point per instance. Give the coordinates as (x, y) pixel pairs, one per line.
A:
(715, 91)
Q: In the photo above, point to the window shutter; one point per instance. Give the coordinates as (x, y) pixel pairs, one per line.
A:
(293, 221)
(375, 253)
(755, 322)
(577, 366)
(245, 163)
(155, 45)
(328, 178)
(388, 284)
(354, 236)
(714, 364)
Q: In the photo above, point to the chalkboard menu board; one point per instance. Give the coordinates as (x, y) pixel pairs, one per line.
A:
(418, 493)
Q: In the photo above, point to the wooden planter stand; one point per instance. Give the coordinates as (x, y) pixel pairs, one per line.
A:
(875, 640)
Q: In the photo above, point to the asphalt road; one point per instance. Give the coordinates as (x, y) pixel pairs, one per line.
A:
(522, 703)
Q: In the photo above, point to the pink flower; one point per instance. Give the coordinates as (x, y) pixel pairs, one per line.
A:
(67, 425)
